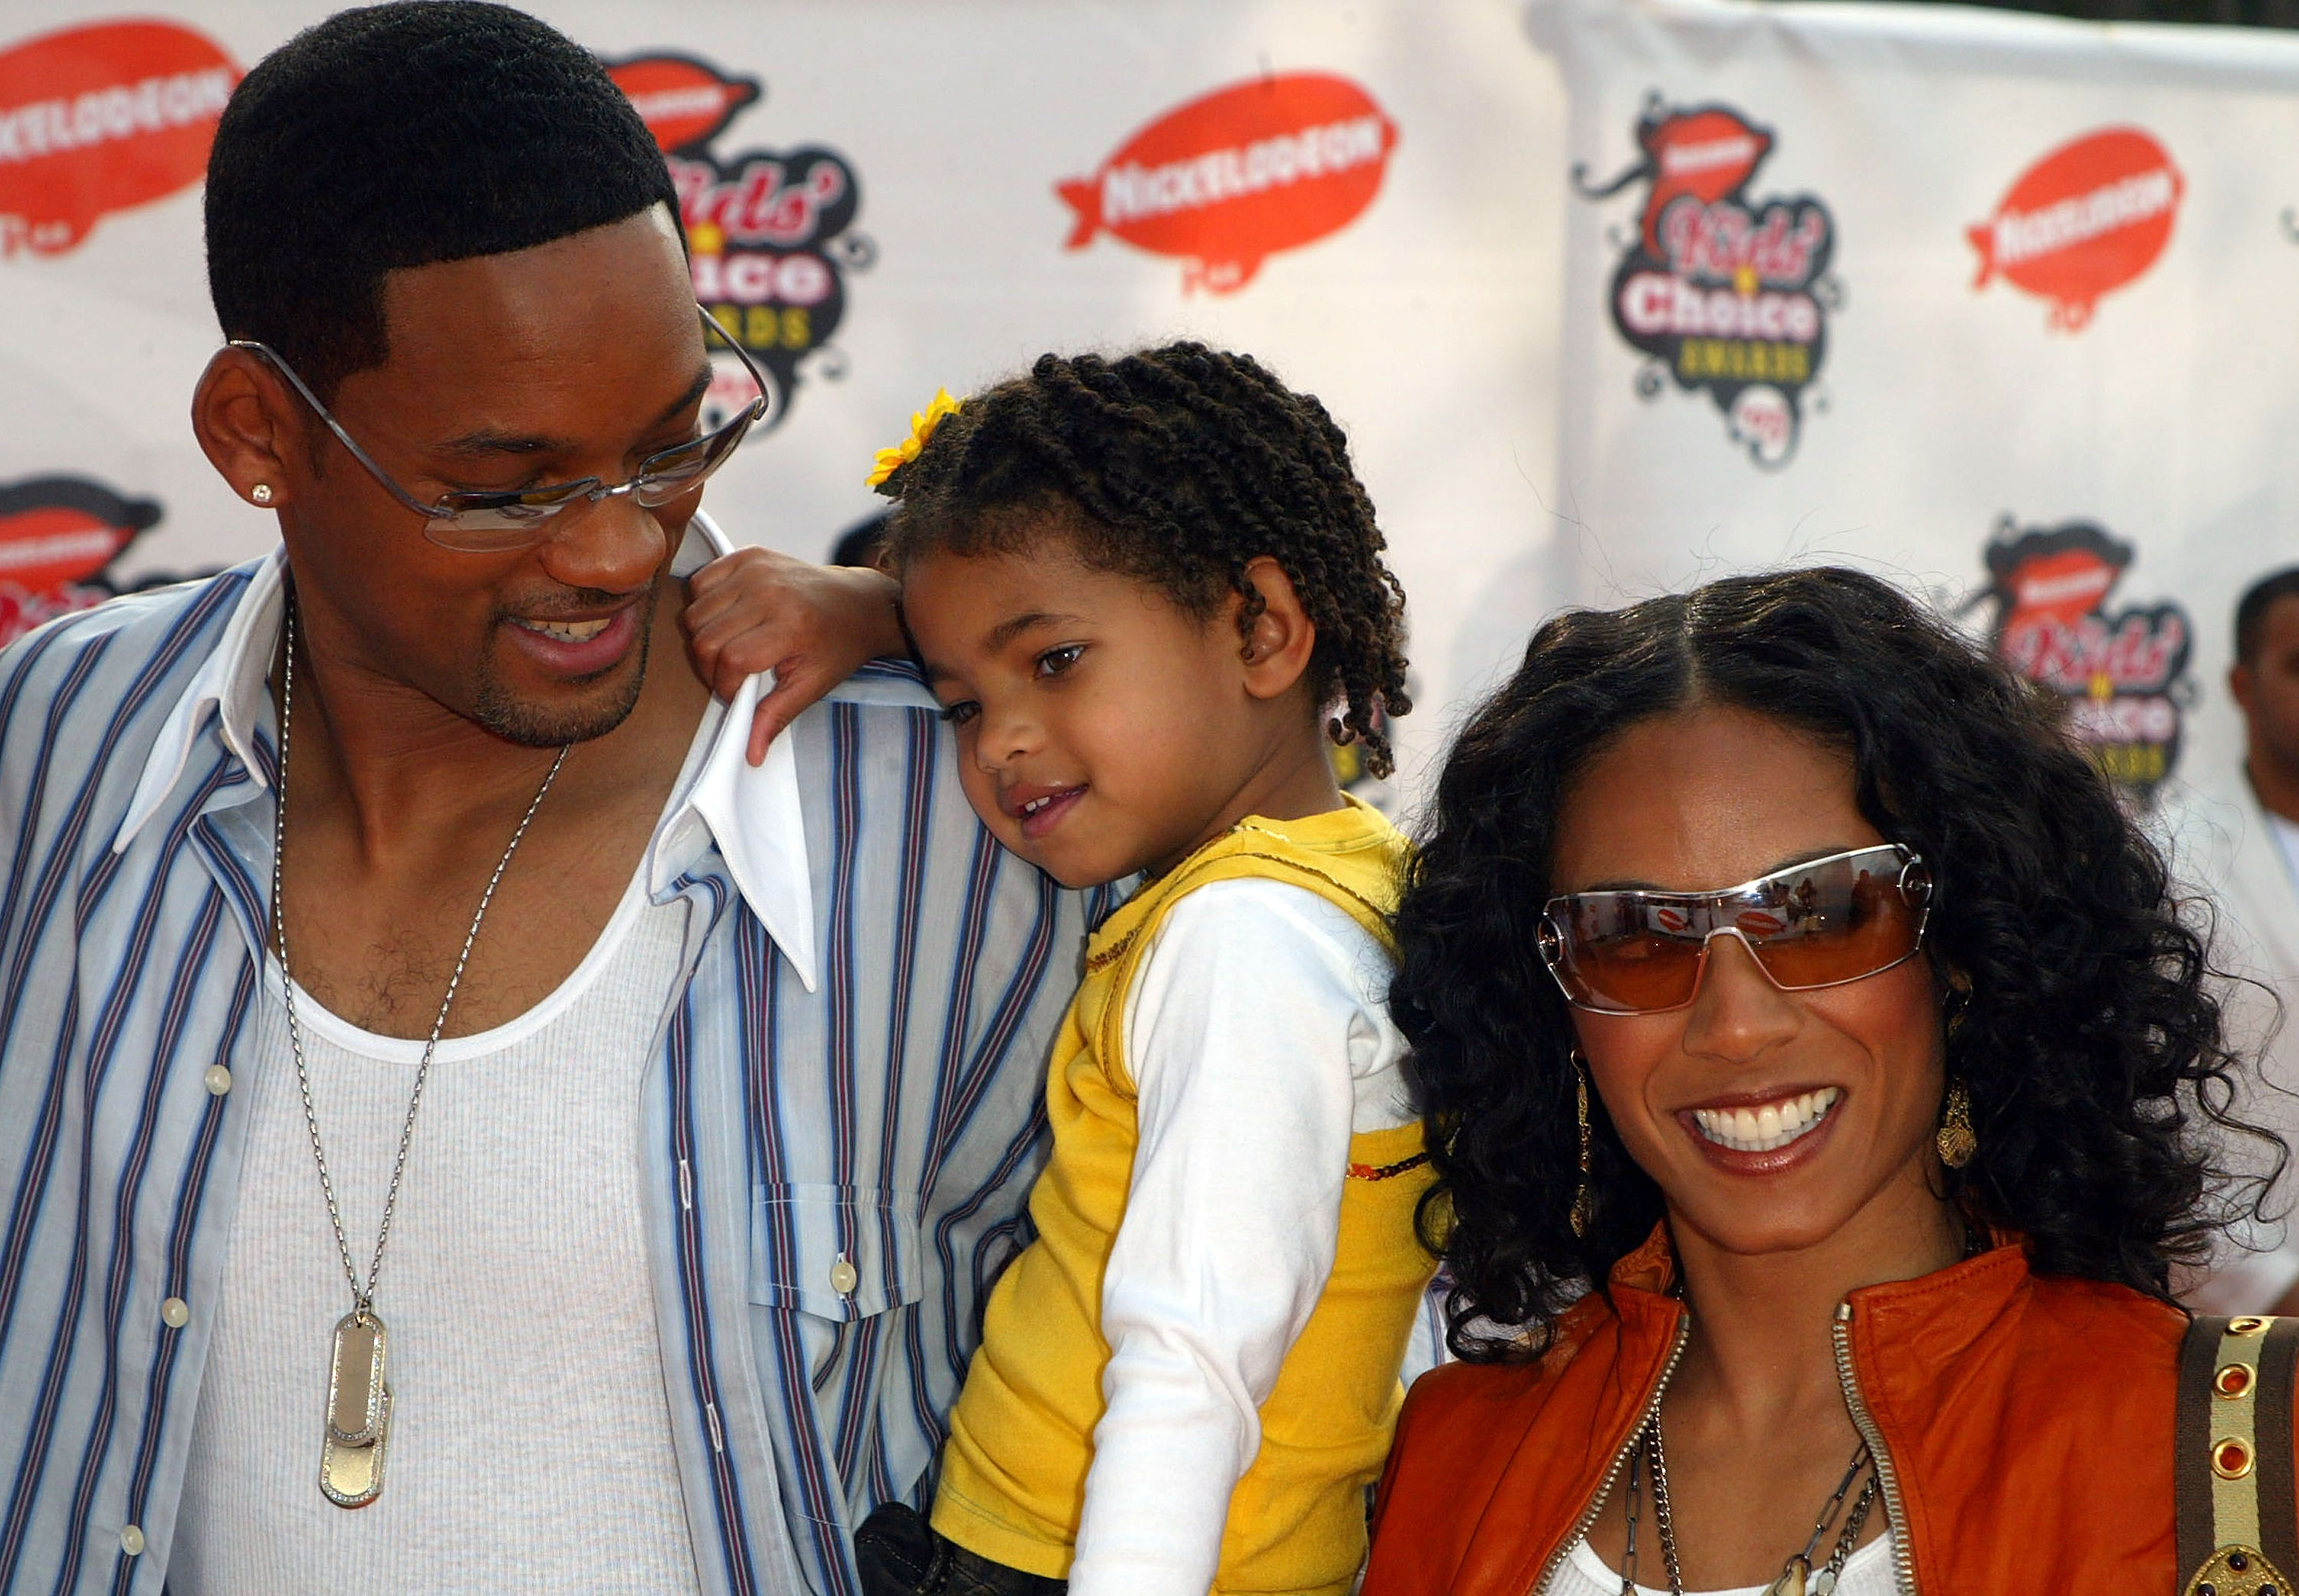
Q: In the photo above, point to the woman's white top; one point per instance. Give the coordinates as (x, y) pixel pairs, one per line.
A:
(1867, 1572)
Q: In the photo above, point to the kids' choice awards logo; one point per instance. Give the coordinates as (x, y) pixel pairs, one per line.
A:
(99, 119)
(769, 232)
(2122, 671)
(1726, 291)
(1232, 177)
(2084, 221)
(59, 536)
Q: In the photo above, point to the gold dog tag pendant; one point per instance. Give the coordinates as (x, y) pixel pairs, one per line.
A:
(356, 1404)
(352, 1477)
(359, 1412)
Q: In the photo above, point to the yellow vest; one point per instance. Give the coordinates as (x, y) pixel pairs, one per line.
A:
(1013, 1481)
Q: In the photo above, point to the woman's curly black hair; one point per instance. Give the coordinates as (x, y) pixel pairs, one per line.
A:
(1177, 466)
(2101, 1088)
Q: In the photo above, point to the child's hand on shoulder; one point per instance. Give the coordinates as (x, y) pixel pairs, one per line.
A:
(812, 625)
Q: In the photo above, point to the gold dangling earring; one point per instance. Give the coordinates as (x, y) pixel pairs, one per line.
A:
(1584, 1198)
(1958, 1143)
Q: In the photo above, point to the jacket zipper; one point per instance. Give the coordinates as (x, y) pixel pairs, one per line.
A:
(1620, 1460)
(1904, 1558)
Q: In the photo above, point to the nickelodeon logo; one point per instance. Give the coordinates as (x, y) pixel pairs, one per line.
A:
(1738, 150)
(2084, 221)
(1131, 192)
(98, 116)
(1233, 177)
(102, 119)
(2022, 235)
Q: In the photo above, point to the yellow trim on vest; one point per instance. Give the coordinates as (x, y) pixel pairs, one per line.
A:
(1021, 1436)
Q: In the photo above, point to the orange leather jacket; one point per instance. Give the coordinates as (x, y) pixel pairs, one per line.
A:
(2021, 1424)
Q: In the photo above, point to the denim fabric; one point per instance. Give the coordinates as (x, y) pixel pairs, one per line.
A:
(901, 1554)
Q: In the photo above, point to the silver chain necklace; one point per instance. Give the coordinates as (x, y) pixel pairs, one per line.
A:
(1797, 1577)
(359, 1401)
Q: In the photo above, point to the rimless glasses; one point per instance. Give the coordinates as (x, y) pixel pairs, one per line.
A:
(497, 523)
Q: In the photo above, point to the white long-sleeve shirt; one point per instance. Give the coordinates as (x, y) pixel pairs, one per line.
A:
(1258, 1042)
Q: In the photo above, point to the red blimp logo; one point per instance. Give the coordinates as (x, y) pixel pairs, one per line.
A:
(1706, 154)
(1228, 180)
(100, 119)
(683, 102)
(2085, 219)
(58, 538)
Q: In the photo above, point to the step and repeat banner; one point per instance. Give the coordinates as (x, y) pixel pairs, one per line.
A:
(882, 197)
(1613, 295)
(2003, 306)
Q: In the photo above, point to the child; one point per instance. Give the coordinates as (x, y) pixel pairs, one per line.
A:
(1137, 588)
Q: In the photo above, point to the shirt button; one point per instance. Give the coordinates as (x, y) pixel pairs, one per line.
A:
(842, 1277)
(131, 1542)
(218, 1080)
(174, 1313)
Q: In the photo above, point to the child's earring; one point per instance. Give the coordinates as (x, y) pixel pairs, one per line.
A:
(1584, 1198)
(260, 492)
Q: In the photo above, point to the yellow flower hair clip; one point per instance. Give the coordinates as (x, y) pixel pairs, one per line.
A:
(922, 424)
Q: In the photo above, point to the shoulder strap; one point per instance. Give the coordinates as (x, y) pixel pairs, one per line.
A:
(2234, 1478)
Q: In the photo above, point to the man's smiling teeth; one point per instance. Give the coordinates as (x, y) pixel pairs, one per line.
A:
(569, 632)
(1763, 1130)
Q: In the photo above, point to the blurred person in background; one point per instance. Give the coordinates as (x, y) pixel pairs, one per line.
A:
(2263, 889)
(2233, 835)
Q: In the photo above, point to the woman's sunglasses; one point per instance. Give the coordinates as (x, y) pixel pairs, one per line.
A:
(1821, 923)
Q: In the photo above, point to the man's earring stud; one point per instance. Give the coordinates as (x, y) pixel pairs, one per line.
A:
(260, 492)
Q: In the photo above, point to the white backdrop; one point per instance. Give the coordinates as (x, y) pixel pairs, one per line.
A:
(2116, 391)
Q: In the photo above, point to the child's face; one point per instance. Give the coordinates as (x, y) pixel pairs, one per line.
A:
(1102, 729)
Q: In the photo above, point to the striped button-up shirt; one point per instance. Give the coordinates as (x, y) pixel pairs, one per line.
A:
(840, 1122)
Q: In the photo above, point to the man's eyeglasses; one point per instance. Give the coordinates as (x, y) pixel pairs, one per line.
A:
(497, 523)
(1823, 923)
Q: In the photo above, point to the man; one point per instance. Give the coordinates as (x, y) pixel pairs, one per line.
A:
(2240, 839)
(583, 1174)
(2265, 683)
(2262, 884)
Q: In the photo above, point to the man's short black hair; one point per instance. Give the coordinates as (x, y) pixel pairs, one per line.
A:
(2251, 611)
(397, 135)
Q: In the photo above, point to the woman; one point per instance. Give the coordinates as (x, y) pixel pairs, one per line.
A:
(1777, 962)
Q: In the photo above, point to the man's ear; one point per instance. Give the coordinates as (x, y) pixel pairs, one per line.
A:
(1279, 644)
(2239, 685)
(241, 416)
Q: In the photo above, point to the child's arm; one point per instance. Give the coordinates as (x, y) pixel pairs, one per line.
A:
(756, 610)
(1247, 1027)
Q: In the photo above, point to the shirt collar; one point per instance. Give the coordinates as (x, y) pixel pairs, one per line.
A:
(233, 685)
(752, 812)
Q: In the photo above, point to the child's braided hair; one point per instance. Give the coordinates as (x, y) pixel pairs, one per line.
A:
(1177, 466)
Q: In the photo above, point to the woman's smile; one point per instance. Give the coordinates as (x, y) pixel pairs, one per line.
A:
(1766, 1123)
